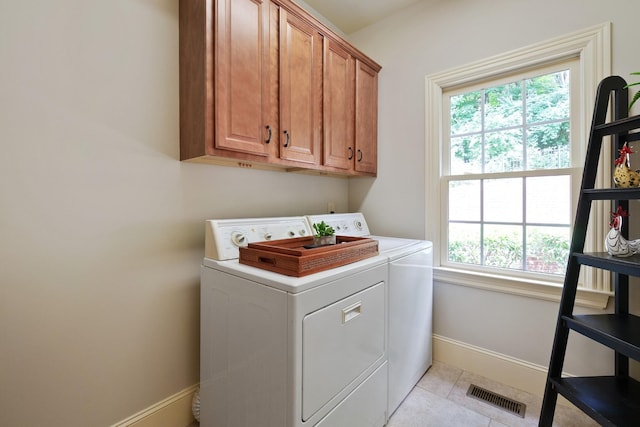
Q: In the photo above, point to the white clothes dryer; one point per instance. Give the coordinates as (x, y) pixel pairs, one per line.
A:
(282, 351)
(410, 302)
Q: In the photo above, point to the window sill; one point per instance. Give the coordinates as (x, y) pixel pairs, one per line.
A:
(547, 291)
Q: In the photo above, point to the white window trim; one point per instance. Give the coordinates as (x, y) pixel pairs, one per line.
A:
(593, 48)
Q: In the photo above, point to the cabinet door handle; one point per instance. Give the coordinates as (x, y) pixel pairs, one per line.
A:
(350, 153)
(359, 155)
(268, 137)
(286, 133)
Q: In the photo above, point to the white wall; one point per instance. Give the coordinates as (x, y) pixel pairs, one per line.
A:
(101, 226)
(432, 37)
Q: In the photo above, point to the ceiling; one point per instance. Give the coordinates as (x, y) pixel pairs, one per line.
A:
(352, 15)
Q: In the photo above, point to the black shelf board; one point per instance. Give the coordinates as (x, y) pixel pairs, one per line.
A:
(618, 126)
(624, 265)
(613, 193)
(611, 401)
(620, 332)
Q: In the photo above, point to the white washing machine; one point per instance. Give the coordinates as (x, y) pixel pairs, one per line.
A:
(283, 351)
(410, 301)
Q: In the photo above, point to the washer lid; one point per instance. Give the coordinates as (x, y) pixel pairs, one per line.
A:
(388, 244)
(394, 247)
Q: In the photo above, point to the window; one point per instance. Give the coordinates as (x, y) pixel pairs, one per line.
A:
(508, 171)
(505, 144)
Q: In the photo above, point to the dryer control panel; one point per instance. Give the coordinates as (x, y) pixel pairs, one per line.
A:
(223, 237)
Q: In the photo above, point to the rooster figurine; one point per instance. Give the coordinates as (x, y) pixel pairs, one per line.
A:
(623, 176)
(616, 244)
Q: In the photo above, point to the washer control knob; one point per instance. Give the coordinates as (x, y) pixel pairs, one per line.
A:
(292, 233)
(358, 224)
(238, 239)
(267, 236)
(302, 231)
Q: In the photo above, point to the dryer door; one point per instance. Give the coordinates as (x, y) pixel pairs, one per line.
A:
(339, 343)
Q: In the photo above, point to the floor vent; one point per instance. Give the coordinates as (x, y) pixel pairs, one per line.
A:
(494, 399)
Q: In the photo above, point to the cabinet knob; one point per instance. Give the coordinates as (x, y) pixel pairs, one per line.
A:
(350, 153)
(269, 132)
(286, 133)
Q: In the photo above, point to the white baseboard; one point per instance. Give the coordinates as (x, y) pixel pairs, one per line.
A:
(174, 411)
(505, 369)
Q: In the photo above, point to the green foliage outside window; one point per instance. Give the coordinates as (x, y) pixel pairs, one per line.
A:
(545, 253)
(515, 127)
(499, 110)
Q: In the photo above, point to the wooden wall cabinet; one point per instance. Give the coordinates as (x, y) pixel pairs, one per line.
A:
(339, 107)
(264, 84)
(350, 111)
(241, 70)
(300, 90)
(366, 119)
(224, 79)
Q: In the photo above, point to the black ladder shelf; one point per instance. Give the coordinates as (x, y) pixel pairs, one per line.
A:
(609, 400)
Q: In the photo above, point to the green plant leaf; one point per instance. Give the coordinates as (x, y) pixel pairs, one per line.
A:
(323, 229)
(634, 99)
(637, 95)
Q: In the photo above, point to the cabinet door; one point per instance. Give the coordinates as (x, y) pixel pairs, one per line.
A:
(242, 76)
(339, 104)
(300, 90)
(366, 119)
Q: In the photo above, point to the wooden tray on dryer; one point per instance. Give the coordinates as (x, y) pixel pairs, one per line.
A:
(290, 257)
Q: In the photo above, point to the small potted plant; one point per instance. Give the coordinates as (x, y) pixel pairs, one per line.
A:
(325, 234)
(637, 95)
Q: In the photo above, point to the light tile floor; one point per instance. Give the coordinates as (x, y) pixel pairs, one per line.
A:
(439, 400)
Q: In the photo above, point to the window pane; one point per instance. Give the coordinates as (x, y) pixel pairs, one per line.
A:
(503, 106)
(503, 200)
(548, 97)
(464, 243)
(504, 152)
(548, 146)
(504, 217)
(466, 154)
(466, 116)
(503, 246)
(464, 200)
(549, 199)
(547, 249)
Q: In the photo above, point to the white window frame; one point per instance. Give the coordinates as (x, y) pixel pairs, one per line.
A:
(592, 47)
